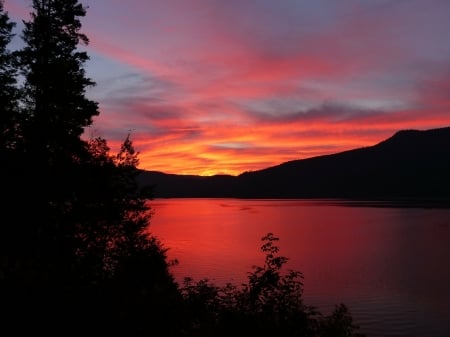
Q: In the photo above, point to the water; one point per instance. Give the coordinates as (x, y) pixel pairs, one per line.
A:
(390, 266)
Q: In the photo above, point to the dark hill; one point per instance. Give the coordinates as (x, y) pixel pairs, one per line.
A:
(411, 164)
(188, 186)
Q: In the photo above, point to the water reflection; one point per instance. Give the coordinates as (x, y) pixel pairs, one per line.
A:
(389, 264)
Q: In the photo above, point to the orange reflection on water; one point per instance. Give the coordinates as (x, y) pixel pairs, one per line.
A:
(220, 239)
(362, 256)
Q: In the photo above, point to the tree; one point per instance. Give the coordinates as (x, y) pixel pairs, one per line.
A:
(41, 137)
(8, 89)
(56, 108)
(52, 116)
(8, 111)
(125, 267)
(110, 210)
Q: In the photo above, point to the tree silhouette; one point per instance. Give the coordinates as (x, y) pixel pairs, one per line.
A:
(57, 110)
(8, 110)
(50, 119)
(8, 89)
(123, 266)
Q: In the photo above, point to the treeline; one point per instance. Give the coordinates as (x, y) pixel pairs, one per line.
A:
(76, 254)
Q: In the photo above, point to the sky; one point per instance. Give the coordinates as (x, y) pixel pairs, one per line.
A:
(210, 87)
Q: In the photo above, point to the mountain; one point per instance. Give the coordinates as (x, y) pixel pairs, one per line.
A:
(188, 186)
(411, 164)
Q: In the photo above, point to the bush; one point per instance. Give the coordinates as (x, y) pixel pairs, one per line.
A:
(269, 304)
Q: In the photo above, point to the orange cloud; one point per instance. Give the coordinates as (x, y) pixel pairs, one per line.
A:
(234, 86)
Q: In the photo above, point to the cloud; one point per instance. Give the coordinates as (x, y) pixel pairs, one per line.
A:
(212, 86)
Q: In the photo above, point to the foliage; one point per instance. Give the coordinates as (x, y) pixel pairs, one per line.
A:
(269, 304)
(80, 253)
(8, 90)
(44, 148)
(56, 110)
(110, 210)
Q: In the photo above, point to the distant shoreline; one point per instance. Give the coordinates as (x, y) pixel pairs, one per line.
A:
(374, 202)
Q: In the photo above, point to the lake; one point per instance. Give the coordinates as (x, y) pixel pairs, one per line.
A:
(389, 265)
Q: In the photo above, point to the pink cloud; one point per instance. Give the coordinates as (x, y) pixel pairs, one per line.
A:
(227, 87)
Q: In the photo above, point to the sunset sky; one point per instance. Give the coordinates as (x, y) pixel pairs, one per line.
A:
(227, 86)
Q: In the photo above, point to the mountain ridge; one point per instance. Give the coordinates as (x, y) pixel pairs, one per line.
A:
(411, 164)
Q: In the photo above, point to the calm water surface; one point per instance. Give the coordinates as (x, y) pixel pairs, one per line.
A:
(391, 266)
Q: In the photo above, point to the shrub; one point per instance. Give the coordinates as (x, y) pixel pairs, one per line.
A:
(269, 304)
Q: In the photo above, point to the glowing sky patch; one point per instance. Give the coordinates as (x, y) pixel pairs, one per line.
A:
(213, 86)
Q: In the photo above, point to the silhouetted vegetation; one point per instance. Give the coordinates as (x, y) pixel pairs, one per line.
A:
(269, 304)
(76, 255)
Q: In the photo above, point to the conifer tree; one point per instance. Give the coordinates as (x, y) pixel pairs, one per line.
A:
(8, 90)
(8, 110)
(56, 108)
(54, 112)
(10, 161)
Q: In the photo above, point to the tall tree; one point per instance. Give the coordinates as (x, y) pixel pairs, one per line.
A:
(10, 163)
(54, 113)
(8, 90)
(8, 109)
(55, 80)
(38, 264)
